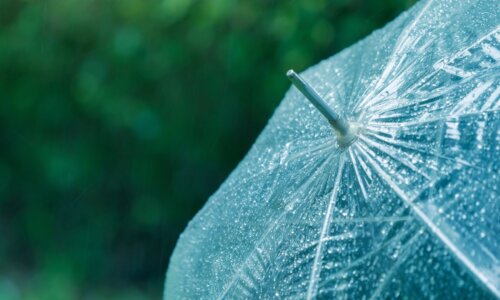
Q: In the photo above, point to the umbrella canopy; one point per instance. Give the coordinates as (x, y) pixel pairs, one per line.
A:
(408, 206)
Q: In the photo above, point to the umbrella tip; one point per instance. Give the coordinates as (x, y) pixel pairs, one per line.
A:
(345, 136)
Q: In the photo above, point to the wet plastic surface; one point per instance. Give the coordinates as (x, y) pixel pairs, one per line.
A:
(411, 208)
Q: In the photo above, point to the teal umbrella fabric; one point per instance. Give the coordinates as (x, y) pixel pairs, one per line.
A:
(409, 209)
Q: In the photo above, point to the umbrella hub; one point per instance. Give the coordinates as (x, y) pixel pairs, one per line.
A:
(346, 139)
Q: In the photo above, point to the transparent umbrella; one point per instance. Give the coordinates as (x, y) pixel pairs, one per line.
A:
(393, 194)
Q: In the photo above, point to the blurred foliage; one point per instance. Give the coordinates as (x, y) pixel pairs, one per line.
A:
(119, 118)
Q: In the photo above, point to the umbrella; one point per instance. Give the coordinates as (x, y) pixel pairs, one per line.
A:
(383, 185)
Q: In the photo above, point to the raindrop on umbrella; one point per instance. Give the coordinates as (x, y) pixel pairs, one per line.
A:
(400, 199)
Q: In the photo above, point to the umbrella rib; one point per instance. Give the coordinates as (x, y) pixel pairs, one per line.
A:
(358, 176)
(311, 291)
(428, 97)
(431, 120)
(438, 66)
(237, 273)
(398, 237)
(404, 161)
(402, 144)
(429, 223)
(401, 45)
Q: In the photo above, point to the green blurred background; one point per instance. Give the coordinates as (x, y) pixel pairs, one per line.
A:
(118, 119)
